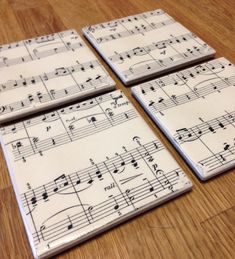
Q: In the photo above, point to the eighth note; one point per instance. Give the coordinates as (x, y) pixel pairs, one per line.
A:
(60, 182)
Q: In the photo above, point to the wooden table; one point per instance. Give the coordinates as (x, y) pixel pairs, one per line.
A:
(200, 224)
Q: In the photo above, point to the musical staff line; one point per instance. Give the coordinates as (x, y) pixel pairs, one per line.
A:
(73, 171)
(149, 66)
(144, 50)
(153, 51)
(21, 152)
(68, 41)
(32, 100)
(182, 77)
(93, 172)
(128, 19)
(164, 104)
(195, 107)
(53, 116)
(37, 40)
(134, 31)
(215, 161)
(107, 207)
(6, 62)
(58, 72)
(190, 134)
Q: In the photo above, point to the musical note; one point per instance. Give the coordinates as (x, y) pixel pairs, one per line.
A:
(224, 157)
(130, 197)
(134, 31)
(70, 226)
(45, 194)
(55, 116)
(72, 78)
(32, 47)
(152, 51)
(33, 100)
(34, 199)
(195, 132)
(63, 71)
(153, 65)
(124, 20)
(181, 77)
(140, 51)
(62, 139)
(60, 182)
(195, 108)
(118, 203)
(151, 188)
(80, 176)
(88, 175)
(193, 95)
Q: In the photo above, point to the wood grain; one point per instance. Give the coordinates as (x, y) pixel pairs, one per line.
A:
(200, 224)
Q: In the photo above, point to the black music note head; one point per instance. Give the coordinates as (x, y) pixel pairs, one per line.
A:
(70, 226)
(116, 207)
(90, 181)
(34, 200)
(45, 196)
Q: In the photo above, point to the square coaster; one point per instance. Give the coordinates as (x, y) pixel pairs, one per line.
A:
(146, 45)
(85, 168)
(44, 72)
(195, 108)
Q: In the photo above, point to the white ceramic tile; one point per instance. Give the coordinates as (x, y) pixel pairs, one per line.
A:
(196, 110)
(80, 170)
(44, 72)
(146, 45)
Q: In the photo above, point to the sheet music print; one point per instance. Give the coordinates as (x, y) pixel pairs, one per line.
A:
(196, 109)
(146, 44)
(84, 168)
(40, 47)
(59, 68)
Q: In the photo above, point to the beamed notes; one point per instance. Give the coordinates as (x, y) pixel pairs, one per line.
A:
(74, 176)
(44, 72)
(196, 110)
(144, 45)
